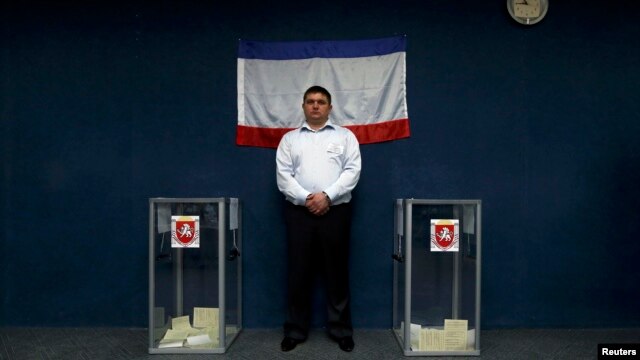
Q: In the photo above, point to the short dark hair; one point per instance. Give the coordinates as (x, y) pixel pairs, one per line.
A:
(317, 89)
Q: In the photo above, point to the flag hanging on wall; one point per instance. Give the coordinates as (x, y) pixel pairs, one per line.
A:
(366, 78)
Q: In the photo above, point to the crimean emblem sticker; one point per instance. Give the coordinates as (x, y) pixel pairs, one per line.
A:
(185, 231)
(445, 235)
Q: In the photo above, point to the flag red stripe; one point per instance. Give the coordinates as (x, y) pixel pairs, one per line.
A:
(259, 136)
(382, 131)
(366, 134)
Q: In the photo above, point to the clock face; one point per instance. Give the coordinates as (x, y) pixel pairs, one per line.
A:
(527, 12)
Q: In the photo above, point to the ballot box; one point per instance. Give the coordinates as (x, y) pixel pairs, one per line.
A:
(436, 277)
(195, 272)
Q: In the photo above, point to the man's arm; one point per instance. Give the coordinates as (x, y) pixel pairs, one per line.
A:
(351, 171)
(287, 184)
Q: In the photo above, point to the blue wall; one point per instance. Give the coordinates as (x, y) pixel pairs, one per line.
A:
(104, 106)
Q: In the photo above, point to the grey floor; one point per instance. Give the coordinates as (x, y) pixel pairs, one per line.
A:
(119, 343)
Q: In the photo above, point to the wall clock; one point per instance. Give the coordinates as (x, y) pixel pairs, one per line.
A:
(527, 12)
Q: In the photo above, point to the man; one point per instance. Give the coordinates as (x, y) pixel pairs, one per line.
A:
(318, 165)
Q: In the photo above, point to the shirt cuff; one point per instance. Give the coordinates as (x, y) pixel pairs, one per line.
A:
(328, 197)
(301, 198)
(331, 194)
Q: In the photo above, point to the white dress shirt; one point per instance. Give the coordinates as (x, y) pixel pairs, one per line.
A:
(310, 161)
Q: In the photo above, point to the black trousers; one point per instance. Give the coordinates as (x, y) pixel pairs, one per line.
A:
(318, 243)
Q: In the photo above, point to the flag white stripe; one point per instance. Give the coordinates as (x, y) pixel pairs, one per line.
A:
(365, 90)
(241, 113)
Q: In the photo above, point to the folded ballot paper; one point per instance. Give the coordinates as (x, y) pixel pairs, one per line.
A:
(203, 335)
(454, 336)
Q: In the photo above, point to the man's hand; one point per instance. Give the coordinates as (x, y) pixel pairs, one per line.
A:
(317, 203)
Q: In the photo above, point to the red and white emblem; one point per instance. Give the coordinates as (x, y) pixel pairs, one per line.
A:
(185, 231)
(445, 235)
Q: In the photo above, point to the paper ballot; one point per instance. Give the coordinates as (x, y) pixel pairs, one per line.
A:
(181, 323)
(454, 337)
(170, 344)
(199, 340)
(414, 333)
(203, 335)
(431, 339)
(455, 334)
(173, 338)
(176, 334)
(205, 317)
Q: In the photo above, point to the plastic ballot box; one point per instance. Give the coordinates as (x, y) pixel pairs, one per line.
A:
(436, 281)
(195, 272)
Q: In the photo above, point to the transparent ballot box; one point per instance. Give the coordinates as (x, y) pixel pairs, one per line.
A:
(195, 273)
(436, 277)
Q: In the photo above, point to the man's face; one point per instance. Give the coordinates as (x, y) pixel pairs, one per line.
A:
(316, 108)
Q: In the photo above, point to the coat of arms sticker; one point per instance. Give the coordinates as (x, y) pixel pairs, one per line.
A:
(445, 235)
(185, 231)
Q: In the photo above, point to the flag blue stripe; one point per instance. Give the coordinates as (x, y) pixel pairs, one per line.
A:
(291, 50)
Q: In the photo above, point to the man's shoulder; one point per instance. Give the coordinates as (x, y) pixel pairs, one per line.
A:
(290, 135)
(343, 130)
(339, 128)
(293, 132)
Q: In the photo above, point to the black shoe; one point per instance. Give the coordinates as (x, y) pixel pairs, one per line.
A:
(346, 343)
(289, 344)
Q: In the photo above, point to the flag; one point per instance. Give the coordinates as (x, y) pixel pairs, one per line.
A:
(366, 78)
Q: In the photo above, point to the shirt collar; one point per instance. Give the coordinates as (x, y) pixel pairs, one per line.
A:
(327, 125)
